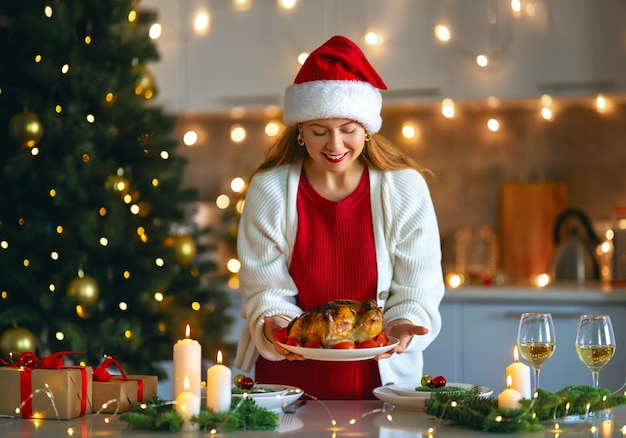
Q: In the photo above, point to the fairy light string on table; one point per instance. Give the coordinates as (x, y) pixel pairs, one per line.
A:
(470, 410)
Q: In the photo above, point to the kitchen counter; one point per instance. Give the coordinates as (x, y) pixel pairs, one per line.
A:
(353, 419)
(562, 292)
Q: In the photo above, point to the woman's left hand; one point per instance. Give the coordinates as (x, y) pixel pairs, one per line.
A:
(403, 330)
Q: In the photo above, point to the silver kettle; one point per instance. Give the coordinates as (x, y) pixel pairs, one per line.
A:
(574, 256)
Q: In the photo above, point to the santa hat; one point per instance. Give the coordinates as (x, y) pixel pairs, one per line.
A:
(336, 81)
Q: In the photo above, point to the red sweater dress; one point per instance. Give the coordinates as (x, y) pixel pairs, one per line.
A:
(334, 258)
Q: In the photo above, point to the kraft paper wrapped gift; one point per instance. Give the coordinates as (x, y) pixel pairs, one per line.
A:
(46, 393)
(117, 394)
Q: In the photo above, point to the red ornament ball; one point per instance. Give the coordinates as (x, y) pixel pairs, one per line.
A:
(246, 383)
(438, 382)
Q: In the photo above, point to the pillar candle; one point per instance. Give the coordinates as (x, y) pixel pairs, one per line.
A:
(218, 386)
(187, 405)
(520, 376)
(509, 398)
(187, 363)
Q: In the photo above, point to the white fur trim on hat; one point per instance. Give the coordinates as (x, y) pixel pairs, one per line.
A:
(334, 99)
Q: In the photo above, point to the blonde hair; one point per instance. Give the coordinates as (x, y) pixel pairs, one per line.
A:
(378, 153)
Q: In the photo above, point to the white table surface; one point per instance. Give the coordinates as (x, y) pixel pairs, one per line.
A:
(353, 419)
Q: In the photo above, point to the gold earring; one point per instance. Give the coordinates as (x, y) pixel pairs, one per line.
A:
(300, 139)
(368, 136)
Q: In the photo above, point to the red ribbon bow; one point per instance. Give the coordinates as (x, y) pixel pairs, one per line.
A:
(28, 362)
(101, 374)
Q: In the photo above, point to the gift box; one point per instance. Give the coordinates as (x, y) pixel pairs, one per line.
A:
(46, 393)
(118, 393)
(115, 393)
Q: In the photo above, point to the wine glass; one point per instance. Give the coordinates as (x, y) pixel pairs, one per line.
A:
(595, 343)
(536, 340)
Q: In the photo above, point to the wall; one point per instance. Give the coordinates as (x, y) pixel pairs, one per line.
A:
(580, 147)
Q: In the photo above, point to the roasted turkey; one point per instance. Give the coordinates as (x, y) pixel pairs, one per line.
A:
(338, 321)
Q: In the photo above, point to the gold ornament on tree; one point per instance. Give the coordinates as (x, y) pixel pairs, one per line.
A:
(144, 82)
(84, 289)
(26, 128)
(118, 184)
(17, 340)
(185, 248)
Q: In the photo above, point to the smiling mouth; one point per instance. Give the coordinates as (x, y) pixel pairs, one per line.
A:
(335, 158)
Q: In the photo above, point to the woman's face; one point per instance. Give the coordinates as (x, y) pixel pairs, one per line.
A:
(334, 145)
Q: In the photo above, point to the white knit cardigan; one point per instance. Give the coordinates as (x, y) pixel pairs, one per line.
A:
(408, 253)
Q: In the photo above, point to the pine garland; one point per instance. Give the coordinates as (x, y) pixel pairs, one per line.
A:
(159, 415)
(467, 408)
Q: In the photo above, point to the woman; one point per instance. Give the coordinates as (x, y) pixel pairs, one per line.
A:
(337, 212)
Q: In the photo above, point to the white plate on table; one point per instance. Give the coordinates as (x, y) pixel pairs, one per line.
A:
(404, 396)
(274, 401)
(338, 355)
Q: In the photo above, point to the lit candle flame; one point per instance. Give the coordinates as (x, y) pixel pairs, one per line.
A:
(186, 382)
(509, 381)
(219, 356)
(515, 354)
(187, 331)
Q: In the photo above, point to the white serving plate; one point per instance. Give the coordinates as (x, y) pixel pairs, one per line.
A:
(338, 355)
(404, 396)
(276, 390)
(274, 401)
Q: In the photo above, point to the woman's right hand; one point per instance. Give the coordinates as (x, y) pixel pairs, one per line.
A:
(271, 328)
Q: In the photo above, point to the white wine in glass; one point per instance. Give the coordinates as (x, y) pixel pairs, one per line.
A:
(536, 340)
(595, 343)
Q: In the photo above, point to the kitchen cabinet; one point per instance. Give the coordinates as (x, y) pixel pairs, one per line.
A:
(479, 330)
(246, 58)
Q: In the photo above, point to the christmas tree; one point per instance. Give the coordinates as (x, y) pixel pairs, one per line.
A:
(98, 249)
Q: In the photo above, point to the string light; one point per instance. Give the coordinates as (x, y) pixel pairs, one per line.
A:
(482, 60)
(447, 108)
(201, 22)
(302, 57)
(242, 5)
(155, 31)
(409, 131)
(233, 265)
(373, 39)
(442, 33)
(190, 138)
(237, 133)
(287, 4)
(222, 202)
(493, 125)
(601, 103)
(272, 129)
(237, 185)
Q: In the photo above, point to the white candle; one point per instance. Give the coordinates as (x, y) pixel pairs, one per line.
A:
(187, 363)
(509, 398)
(520, 375)
(218, 386)
(187, 405)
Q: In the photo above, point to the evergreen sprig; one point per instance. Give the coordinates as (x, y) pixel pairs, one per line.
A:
(157, 414)
(467, 408)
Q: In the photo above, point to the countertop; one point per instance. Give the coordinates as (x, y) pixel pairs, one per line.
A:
(370, 418)
(557, 293)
